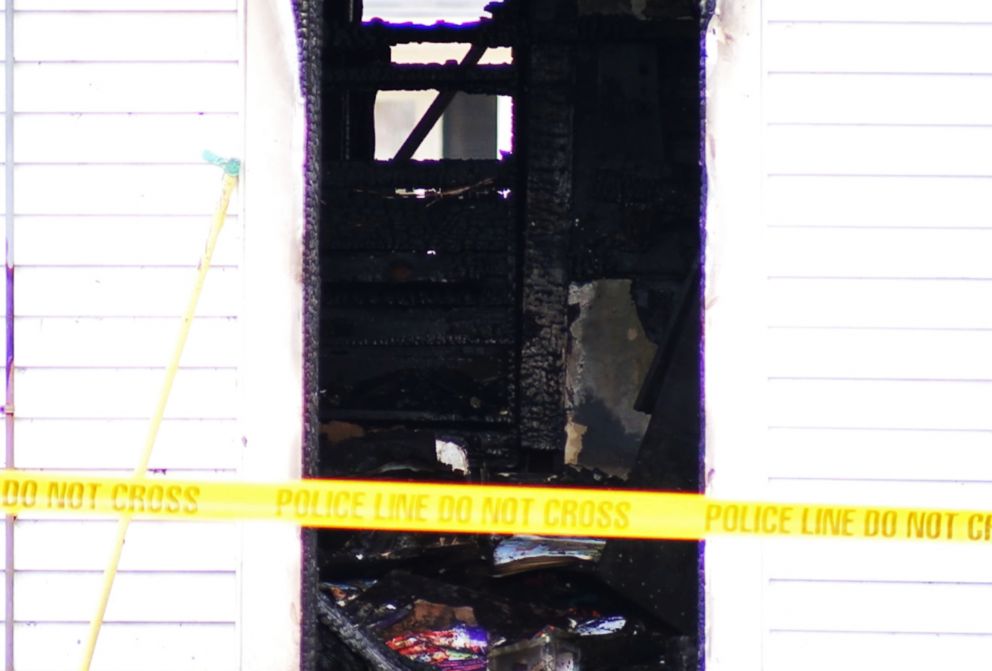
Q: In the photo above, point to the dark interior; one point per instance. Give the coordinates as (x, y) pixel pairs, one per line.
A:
(537, 315)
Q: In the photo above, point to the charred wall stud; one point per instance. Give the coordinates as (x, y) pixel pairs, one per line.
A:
(546, 151)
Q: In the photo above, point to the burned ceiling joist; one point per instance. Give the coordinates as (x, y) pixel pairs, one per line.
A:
(490, 79)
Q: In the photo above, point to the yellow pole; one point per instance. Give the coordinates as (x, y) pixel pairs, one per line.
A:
(231, 171)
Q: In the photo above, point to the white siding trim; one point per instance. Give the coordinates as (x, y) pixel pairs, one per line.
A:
(734, 340)
(272, 379)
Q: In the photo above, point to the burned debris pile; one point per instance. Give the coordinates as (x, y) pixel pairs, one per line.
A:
(466, 602)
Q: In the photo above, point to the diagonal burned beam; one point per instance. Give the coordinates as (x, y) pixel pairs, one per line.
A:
(664, 355)
(434, 112)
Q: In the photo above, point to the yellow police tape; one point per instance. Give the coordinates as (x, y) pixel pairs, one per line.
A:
(554, 511)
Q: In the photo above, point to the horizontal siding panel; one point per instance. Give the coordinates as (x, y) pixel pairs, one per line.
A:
(3, 338)
(123, 241)
(879, 454)
(123, 393)
(126, 647)
(101, 443)
(116, 102)
(877, 99)
(909, 493)
(880, 607)
(852, 651)
(904, 48)
(128, 5)
(880, 303)
(864, 353)
(853, 252)
(127, 87)
(890, 202)
(137, 597)
(878, 150)
(123, 138)
(880, 404)
(89, 189)
(123, 342)
(162, 475)
(123, 292)
(877, 10)
(151, 546)
(871, 560)
(125, 36)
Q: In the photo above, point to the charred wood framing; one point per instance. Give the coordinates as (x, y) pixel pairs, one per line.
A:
(310, 38)
(499, 79)
(376, 32)
(604, 183)
(546, 150)
(469, 66)
(440, 289)
(419, 260)
(449, 174)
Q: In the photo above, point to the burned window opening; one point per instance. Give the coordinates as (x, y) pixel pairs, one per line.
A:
(466, 303)
(469, 128)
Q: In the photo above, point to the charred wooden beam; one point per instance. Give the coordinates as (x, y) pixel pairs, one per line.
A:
(437, 107)
(310, 39)
(450, 384)
(444, 174)
(495, 79)
(588, 30)
(390, 326)
(547, 154)
(435, 223)
(377, 32)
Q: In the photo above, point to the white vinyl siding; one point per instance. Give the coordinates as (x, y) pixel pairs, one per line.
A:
(114, 102)
(866, 243)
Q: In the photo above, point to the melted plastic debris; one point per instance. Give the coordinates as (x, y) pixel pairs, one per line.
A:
(600, 626)
(454, 649)
(525, 553)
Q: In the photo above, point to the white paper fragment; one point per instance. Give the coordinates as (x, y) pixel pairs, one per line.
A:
(452, 454)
